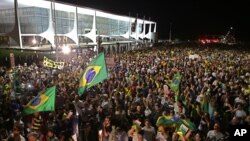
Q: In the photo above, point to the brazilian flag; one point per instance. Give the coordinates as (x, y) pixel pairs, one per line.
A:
(93, 74)
(45, 101)
(189, 124)
(183, 129)
(175, 83)
(168, 121)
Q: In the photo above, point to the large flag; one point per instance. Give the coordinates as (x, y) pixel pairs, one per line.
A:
(93, 74)
(45, 101)
(174, 84)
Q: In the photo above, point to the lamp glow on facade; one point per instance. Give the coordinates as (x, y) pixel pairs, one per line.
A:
(34, 41)
(66, 49)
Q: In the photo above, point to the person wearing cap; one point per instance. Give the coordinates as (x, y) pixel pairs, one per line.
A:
(33, 136)
(16, 134)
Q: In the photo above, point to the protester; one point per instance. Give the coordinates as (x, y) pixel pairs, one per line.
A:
(16, 135)
(213, 90)
(33, 136)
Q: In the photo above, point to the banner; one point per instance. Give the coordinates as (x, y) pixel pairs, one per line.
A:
(194, 56)
(52, 64)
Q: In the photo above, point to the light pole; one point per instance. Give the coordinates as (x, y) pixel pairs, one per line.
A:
(54, 22)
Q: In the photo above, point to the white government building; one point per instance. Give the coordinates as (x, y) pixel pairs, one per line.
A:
(39, 23)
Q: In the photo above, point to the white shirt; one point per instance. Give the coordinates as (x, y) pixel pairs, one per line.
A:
(212, 134)
(240, 113)
(160, 137)
(21, 137)
(78, 105)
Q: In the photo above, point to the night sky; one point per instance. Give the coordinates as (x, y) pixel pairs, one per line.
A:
(190, 19)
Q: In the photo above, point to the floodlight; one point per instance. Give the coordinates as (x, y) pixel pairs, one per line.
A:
(95, 48)
(66, 50)
(34, 41)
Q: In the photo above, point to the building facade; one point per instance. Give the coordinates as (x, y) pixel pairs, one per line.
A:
(43, 22)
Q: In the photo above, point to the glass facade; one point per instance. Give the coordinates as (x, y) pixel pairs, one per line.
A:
(33, 20)
(106, 26)
(85, 23)
(64, 22)
(123, 27)
(7, 20)
(140, 28)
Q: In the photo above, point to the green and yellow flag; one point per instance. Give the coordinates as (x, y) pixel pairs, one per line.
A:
(93, 74)
(188, 124)
(168, 121)
(183, 129)
(45, 101)
(175, 83)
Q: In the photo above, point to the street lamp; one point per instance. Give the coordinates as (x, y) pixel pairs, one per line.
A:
(54, 21)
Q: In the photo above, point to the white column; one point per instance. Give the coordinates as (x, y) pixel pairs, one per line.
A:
(155, 28)
(137, 30)
(49, 34)
(94, 29)
(78, 44)
(73, 33)
(148, 35)
(92, 34)
(16, 32)
(127, 34)
(142, 34)
(144, 29)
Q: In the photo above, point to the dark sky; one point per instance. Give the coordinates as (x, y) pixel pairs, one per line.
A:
(190, 18)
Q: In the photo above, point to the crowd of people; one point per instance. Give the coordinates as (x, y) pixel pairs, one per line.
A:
(213, 94)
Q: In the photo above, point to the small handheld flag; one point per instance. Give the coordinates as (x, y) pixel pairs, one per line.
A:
(174, 84)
